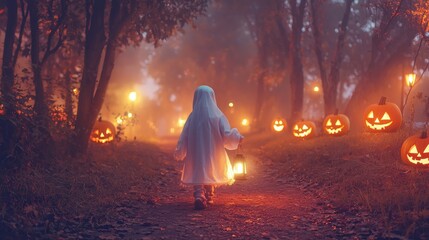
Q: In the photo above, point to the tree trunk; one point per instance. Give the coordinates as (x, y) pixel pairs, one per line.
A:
(330, 96)
(68, 101)
(7, 128)
(297, 75)
(7, 78)
(330, 82)
(40, 106)
(260, 97)
(94, 44)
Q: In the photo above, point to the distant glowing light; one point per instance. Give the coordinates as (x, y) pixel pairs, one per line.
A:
(119, 120)
(245, 122)
(172, 130)
(230, 104)
(316, 89)
(132, 96)
(410, 79)
(129, 115)
(181, 122)
(75, 91)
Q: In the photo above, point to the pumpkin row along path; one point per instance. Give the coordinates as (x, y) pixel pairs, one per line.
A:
(260, 207)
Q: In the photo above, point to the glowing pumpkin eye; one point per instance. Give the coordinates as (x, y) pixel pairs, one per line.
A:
(338, 123)
(371, 114)
(296, 127)
(280, 122)
(329, 123)
(96, 132)
(108, 131)
(276, 122)
(385, 116)
(413, 149)
(426, 149)
(304, 127)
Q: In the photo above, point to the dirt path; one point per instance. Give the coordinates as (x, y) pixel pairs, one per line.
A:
(261, 207)
(256, 208)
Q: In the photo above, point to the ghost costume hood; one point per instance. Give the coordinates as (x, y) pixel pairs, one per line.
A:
(203, 140)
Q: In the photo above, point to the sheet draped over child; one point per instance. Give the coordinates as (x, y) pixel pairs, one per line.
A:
(203, 140)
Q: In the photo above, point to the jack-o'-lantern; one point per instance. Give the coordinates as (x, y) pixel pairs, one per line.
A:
(304, 129)
(103, 131)
(383, 117)
(415, 150)
(336, 124)
(278, 125)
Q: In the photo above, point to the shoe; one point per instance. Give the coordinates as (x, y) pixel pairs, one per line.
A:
(200, 204)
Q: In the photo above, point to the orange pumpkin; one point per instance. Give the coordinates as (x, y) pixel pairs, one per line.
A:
(415, 150)
(103, 132)
(304, 129)
(278, 125)
(383, 117)
(336, 124)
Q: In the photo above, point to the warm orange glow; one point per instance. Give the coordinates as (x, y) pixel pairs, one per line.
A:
(316, 89)
(132, 96)
(119, 120)
(75, 91)
(129, 115)
(230, 104)
(278, 125)
(245, 122)
(172, 130)
(181, 122)
(410, 79)
(239, 168)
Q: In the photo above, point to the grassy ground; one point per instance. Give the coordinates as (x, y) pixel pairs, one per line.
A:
(360, 169)
(75, 188)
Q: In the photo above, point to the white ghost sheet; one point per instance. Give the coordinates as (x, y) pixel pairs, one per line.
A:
(203, 140)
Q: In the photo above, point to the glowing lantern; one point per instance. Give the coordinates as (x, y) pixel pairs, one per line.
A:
(336, 124)
(132, 96)
(304, 129)
(239, 165)
(103, 132)
(415, 150)
(230, 104)
(316, 89)
(383, 117)
(410, 79)
(245, 122)
(278, 125)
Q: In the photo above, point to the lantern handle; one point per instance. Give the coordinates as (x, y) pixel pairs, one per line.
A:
(240, 148)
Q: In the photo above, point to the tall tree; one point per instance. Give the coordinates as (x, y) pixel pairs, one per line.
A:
(297, 73)
(390, 42)
(152, 20)
(329, 81)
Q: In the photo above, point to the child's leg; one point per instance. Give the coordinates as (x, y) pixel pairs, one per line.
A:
(200, 198)
(209, 193)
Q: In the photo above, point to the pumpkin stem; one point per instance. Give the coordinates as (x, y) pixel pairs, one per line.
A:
(336, 111)
(382, 101)
(424, 134)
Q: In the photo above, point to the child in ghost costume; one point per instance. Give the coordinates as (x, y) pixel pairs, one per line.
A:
(202, 145)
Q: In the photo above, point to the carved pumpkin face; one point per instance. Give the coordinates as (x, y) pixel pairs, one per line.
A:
(336, 124)
(383, 117)
(304, 129)
(415, 150)
(103, 132)
(278, 125)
